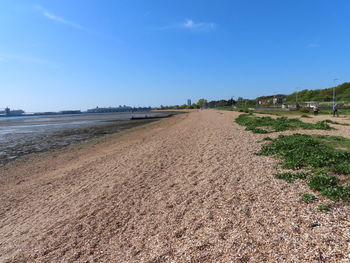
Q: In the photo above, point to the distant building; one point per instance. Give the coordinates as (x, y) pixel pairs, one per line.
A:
(189, 103)
(45, 113)
(311, 104)
(16, 112)
(263, 102)
(9, 112)
(118, 109)
(277, 100)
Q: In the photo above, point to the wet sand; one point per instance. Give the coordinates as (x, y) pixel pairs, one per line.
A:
(185, 189)
(22, 137)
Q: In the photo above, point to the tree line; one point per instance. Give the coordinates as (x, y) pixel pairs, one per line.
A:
(342, 93)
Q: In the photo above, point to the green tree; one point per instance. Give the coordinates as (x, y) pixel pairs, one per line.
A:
(202, 103)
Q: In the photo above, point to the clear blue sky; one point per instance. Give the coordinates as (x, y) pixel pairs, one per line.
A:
(65, 54)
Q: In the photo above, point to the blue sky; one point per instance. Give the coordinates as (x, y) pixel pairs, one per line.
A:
(66, 54)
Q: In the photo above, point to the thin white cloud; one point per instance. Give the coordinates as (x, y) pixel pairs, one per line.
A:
(56, 18)
(314, 44)
(27, 59)
(148, 13)
(189, 24)
(192, 25)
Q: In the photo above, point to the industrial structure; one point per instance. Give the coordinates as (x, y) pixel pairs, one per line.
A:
(118, 109)
(8, 112)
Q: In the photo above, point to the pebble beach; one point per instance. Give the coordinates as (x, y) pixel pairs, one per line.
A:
(189, 188)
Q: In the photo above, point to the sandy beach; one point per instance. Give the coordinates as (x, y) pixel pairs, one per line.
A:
(185, 189)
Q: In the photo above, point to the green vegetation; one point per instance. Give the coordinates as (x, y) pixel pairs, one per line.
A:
(202, 103)
(323, 208)
(336, 142)
(268, 124)
(305, 116)
(323, 96)
(327, 185)
(245, 110)
(335, 122)
(267, 139)
(299, 113)
(226, 108)
(316, 152)
(291, 177)
(342, 91)
(308, 198)
(301, 150)
(332, 122)
(304, 110)
(278, 112)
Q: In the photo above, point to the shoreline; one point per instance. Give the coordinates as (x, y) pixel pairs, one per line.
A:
(30, 145)
(32, 166)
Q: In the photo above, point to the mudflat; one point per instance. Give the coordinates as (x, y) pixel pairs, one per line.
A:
(185, 189)
(22, 136)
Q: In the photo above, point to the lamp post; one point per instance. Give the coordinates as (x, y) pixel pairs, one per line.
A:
(296, 97)
(335, 83)
(275, 93)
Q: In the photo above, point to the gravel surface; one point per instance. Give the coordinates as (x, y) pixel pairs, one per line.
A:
(185, 189)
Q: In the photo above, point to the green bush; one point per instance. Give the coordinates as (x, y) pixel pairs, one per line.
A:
(304, 110)
(245, 110)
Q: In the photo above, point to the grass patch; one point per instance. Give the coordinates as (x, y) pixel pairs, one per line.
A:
(306, 151)
(265, 139)
(291, 177)
(336, 142)
(305, 116)
(244, 110)
(308, 198)
(323, 208)
(335, 122)
(268, 124)
(301, 150)
(327, 185)
(279, 112)
(226, 108)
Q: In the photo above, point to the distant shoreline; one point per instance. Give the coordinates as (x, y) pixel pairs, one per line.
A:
(2, 117)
